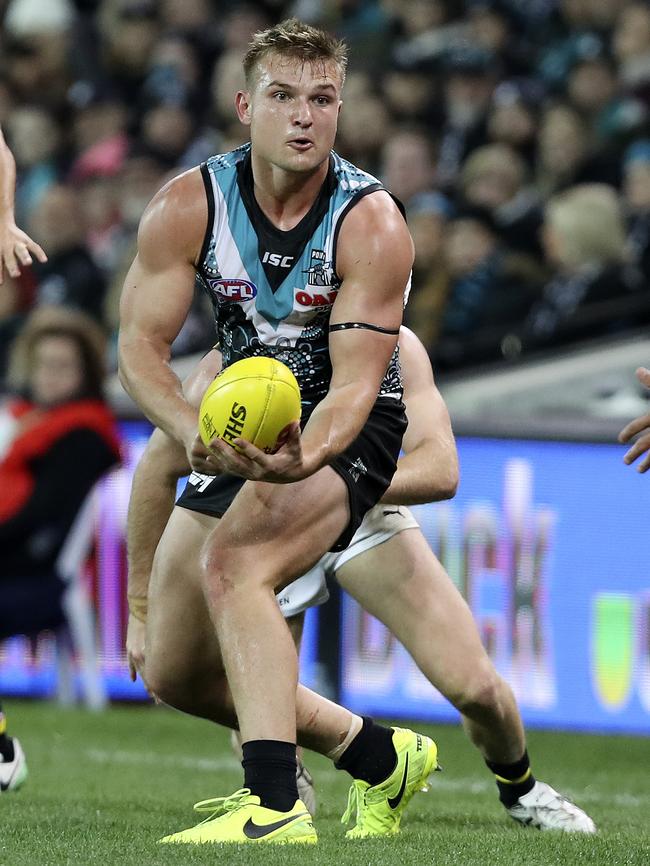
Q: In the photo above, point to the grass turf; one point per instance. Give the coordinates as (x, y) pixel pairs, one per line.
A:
(103, 788)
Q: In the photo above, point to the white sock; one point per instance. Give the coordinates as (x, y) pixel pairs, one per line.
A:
(355, 726)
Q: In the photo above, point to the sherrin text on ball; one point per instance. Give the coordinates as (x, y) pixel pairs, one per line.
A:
(253, 399)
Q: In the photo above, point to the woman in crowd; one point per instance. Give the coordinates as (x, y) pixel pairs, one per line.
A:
(57, 438)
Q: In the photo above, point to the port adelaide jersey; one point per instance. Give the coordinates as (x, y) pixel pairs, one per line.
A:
(272, 291)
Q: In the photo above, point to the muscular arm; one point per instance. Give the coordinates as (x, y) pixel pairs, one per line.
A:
(374, 258)
(155, 300)
(427, 471)
(16, 247)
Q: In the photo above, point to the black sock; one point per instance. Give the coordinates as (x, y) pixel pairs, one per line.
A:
(513, 780)
(6, 743)
(270, 772)
(371, 755)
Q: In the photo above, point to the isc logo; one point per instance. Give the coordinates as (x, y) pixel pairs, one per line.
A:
(277, 260)
(233, 290)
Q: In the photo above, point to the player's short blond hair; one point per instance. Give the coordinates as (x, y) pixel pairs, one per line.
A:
(296, 40)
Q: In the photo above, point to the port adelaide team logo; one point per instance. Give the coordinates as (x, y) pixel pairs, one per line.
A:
(321, 286)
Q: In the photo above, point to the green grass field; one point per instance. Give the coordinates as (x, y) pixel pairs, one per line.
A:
(103, 788)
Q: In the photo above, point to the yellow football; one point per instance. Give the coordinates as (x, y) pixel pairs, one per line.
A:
(252, 399)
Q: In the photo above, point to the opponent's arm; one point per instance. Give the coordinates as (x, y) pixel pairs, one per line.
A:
(639, 425)
(153, 493)
(375, 254)
(155, 301)
(16, 246)
(427, 471)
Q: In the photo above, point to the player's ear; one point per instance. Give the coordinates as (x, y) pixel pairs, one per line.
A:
(243, 106)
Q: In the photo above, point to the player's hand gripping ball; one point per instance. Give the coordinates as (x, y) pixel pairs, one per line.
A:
(253, 399)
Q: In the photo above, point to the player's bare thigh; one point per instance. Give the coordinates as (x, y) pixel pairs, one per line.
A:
(273, 533)
(402, 583)
(179, 630)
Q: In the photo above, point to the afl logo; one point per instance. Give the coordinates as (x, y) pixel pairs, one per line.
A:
(233, 289)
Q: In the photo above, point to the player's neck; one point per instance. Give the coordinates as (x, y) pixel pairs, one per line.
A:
(285, 197)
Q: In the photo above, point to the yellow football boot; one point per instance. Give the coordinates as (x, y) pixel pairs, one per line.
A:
(378, 808)
(240, 818)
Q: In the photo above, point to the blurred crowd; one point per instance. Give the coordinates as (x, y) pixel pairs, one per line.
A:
(515, 132)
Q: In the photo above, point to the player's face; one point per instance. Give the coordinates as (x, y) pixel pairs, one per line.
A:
(292, 109)
(56, 373)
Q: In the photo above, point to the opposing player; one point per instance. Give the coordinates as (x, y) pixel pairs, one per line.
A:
(16, 247)
(638, 425)
(307, 259)
(388, 568)
(16, 250)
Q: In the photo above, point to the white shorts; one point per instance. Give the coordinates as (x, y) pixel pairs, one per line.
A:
(380, 523)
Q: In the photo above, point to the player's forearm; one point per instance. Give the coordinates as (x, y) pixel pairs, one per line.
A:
(335, 424)
(148, 378)
(423, 475)
(153, 493)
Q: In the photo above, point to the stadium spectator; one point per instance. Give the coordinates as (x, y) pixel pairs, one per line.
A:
(59, 438)
(631, 45)
(427, 216)
(565, 154)
(640, 425)
(70, 277)
(36, 139)
(513, 116)
(593, 291)
(407, 164)
(595, 91)
(636, 192)
(495, 177)
(470, 76)
(490, 291)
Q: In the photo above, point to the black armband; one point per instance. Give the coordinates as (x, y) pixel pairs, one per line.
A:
(346, 326)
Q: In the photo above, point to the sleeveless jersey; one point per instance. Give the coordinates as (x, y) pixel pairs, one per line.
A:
(272, 291)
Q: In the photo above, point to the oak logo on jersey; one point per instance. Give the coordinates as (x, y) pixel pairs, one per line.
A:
(228, 290)
(315, 300)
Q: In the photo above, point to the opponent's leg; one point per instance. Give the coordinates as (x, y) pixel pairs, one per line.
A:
(403, 584)
(183, 666)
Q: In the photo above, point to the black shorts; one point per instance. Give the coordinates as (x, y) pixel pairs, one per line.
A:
(367, 466)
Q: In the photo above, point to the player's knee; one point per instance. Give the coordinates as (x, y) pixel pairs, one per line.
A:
(199, 693)
(163, 684)
(482, 693)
